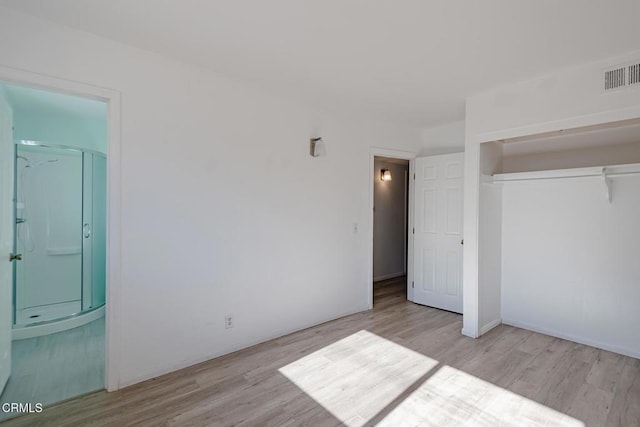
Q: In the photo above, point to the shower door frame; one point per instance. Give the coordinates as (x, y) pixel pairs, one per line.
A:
(113, 269)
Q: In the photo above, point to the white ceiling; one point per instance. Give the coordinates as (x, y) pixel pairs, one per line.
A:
(413, 61)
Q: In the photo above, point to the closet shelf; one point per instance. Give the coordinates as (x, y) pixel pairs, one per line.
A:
(605, 173)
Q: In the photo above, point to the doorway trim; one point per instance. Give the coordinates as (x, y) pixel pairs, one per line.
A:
(113, 283)
(394, 154)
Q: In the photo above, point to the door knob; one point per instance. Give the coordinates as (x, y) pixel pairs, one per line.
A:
(15, 257)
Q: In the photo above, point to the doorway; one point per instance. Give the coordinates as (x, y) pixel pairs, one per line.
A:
(54, 224)
(390, 229)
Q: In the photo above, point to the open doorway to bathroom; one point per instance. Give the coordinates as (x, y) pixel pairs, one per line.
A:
(55, 146)
(390, 229)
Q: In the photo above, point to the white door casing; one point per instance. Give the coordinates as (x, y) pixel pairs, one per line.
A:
(438, 235)
(41, 80)
(6, 239)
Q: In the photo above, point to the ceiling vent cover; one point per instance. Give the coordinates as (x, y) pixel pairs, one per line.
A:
(622, 76)
(634, 74)
(615, 78)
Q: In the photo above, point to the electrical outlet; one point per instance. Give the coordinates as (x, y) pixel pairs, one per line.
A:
(228, 321)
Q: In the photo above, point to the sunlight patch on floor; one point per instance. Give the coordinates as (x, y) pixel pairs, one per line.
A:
(361, 379)
(358, 376)
(453, 397)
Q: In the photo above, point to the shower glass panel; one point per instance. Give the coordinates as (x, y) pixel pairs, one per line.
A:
(99, 235)
(60, 211)
(94, 197)
(48, 211)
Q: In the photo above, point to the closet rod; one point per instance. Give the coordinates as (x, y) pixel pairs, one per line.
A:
(544, 178)
(621, 174)
(549, 178)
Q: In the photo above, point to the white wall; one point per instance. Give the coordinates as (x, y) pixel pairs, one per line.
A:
(570, 261)
(490, 232)
(390, 214)
(551, 102)
(618, 154)
(444, 139)
(61, 129)
(223, 209)
(57, 118)
(564, 99)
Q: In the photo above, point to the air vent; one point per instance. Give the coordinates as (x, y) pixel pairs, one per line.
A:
(634, 74)
(622, 76)
(615, 78)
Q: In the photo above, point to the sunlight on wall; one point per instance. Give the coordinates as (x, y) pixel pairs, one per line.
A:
(364, 378)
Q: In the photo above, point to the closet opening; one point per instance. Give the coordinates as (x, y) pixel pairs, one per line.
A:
(559, 234)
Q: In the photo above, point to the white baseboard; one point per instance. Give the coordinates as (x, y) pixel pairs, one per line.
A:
(468, 334)
(489, 326)
(580, 340)
(388, 276)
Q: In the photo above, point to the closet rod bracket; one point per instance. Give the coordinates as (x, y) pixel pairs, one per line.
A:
(607, 184)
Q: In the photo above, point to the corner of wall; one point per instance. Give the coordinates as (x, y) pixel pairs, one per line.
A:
(470, 311)
(490, 325)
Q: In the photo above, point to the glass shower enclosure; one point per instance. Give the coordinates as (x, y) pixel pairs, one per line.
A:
(60, 231)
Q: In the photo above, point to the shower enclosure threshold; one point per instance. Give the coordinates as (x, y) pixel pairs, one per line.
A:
(59, 325)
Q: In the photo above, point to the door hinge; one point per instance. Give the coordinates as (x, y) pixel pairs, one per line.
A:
(413, 284)
(413, 231)
(414, 176)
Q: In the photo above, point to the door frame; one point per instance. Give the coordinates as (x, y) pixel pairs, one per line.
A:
(113, 281)
(394, 154)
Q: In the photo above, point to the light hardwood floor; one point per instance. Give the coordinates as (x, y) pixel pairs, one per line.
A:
(398, 364)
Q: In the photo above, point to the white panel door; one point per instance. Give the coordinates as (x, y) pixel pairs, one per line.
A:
(437, 275)
(6, 240)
